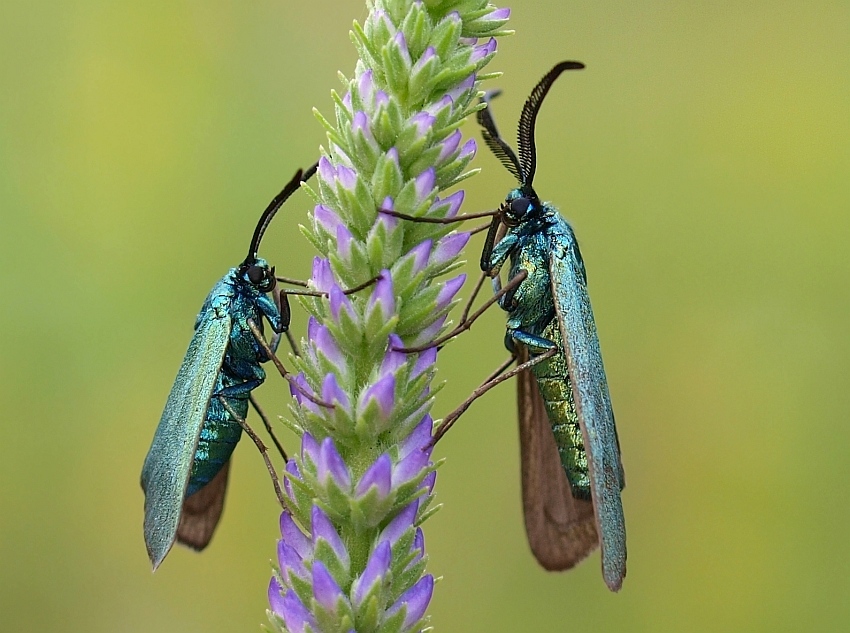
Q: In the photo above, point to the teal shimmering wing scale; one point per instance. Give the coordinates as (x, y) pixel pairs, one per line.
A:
(592, 404)
(166, 471)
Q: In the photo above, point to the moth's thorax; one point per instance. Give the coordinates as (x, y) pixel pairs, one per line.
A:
(233, 293)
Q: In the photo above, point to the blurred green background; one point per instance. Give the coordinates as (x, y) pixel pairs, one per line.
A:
(704, 160)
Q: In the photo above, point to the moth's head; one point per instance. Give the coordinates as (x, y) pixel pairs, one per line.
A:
(258, 274)
(522, 204)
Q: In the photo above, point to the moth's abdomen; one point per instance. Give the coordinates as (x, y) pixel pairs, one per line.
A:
(554, 382)
(219, 435)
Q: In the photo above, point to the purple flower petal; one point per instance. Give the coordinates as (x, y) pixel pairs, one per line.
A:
(393, 359)
(360, 123)
(290, 561)
(382, 296)
(392, 154)
(293, 391)
(325, 589)
(389, 221)
(347, 177)
(324, 530)
(326, 171)
(276, 596)
(424, 361)
(292, 470)
(429, 481)
(448, 248)
(331, 465)
(312, 327)
(424, 183)
(449, 290)
(339, 301)
(379, 475)
(430, 332)
(418, 543)
(381, 15)
(498, 14)
(454, 201)
(326, 345)
(423, 122)
(400, 41)
(322, 276)
(381, 99)
(417, 548)
(298, 389)
(418, 438)
(333, 393)
(326, 218)
(376, 570)
(462, 88)
(366, 87)
(383, 392)
(343, 241)
(415, 600)
(449, 145)
(420, 253)
(309, 448)
(410, 466)
(468, 150)
(400, 524)
(295, 614)
(454, 16)
(429, 54)
(346, 101)
(483, 50)
(437, 108)
(293, 536)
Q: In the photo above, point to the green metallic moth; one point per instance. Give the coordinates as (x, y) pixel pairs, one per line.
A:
(185, 472)
(572, 474)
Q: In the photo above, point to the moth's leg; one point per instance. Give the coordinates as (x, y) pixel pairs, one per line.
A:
(240, 391)
(429, 220)
(535, 344)
(467, 322)
(494, 379)
(293, 344)
(277, 312)
(285, 374)
(317, 293)
(267, 424)
(493, 260)
(261, 447)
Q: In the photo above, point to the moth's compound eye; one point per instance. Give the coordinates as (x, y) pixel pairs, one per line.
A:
(261, 278)
(256, 275)
(519, 207)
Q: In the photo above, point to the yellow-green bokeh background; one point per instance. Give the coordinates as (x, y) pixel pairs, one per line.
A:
(703, 160)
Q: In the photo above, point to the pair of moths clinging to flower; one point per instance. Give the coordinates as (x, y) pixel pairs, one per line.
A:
(571, 469)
